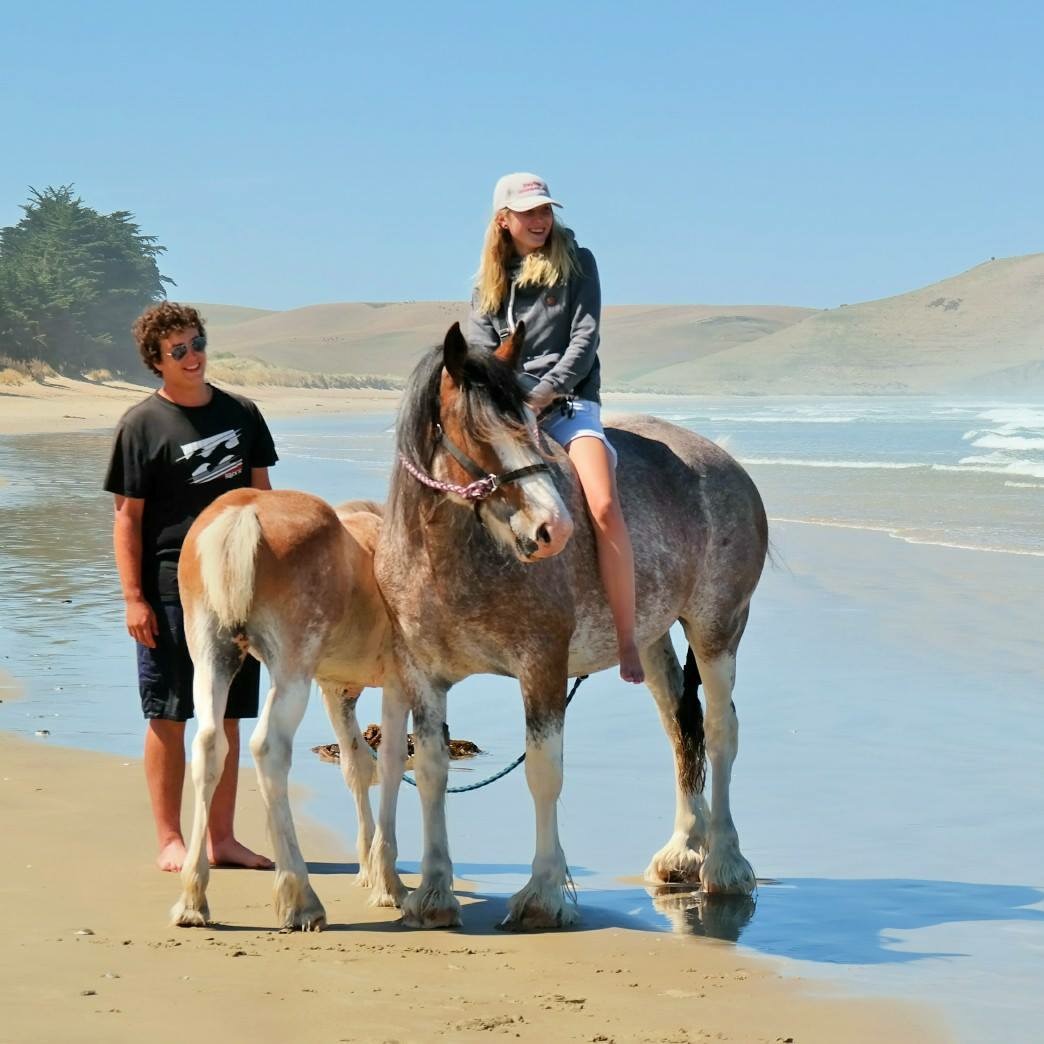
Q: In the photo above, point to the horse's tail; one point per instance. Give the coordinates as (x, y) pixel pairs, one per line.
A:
(690, 724)
(227, 551)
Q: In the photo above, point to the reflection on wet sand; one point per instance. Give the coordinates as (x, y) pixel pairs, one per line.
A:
(694, 912)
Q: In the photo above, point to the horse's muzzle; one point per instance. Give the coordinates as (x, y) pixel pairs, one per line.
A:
(546, 541)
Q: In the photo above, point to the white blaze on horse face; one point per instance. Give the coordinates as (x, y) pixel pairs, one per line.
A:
(543, 527)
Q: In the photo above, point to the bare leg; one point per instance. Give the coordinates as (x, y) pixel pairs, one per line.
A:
(357, 766)
(222, 847)
(594, 467)
(679, 860)
(387, 887)
(165, 777)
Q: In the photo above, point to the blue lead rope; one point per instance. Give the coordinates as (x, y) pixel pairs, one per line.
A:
(496, 775)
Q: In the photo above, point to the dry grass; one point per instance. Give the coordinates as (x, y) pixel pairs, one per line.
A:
(22, 371)
(98, 376)
(231, 369)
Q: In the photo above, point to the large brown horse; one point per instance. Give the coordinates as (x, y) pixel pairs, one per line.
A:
(480, 575)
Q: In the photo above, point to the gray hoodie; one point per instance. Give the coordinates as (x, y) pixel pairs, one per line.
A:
(560, 354)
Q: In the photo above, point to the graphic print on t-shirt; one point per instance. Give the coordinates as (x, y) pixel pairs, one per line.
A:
(208, 471)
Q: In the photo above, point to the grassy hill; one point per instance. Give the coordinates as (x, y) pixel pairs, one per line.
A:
(978, 332)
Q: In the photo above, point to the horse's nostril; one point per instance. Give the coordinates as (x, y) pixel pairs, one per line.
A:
(543, 535)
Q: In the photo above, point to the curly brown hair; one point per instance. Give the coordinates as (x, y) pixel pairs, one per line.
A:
(157, 322)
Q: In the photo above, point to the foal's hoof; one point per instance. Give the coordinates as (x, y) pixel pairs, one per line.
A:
(182, 915)
(305, 921)
(430, 908)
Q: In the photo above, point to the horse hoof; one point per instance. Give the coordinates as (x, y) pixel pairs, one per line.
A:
(390, 898)
(727, 873)
(675, 865)
(184, 916)
(434, 909)
(532, 911)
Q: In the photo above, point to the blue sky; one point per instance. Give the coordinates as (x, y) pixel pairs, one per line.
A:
(807, 154)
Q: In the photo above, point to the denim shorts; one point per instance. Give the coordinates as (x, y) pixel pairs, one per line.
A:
(165, 673)
(572, 418)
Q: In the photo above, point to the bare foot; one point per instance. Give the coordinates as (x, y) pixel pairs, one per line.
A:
(631, 664)
(172, 856)
(231, 853)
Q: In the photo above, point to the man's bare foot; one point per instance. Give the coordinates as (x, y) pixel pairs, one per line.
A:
(231, 853)
(631, 669)
(172, 856)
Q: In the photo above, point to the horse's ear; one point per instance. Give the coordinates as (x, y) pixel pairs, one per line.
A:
(454, 353)
(511, 350)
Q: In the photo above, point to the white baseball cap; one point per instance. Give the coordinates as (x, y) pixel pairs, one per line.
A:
(522, 192)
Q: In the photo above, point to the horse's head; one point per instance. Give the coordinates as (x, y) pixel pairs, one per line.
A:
(482, 448)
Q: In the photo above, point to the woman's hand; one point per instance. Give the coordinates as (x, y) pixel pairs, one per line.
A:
(540, 397)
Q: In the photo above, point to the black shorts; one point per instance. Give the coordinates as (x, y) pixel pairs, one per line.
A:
(165, 673)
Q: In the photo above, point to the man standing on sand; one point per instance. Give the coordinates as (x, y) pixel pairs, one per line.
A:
(173, 454)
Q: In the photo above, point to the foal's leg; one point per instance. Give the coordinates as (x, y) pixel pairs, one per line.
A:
(387, 887)
(432, 903)
(724, 868)
(215, 663)
(545, 900)
(679, 860)
(357, 765)
(297, 906)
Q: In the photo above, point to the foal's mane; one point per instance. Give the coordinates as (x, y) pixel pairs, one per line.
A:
(490, 402)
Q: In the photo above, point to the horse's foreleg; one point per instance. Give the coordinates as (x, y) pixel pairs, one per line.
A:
(546, 900)
(297, 905)
(432, 903)
(677, 700)
(724, 869)
(387, 887)
(357, 765)
(215, 666)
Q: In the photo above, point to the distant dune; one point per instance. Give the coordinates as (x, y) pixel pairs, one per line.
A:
(981, 331)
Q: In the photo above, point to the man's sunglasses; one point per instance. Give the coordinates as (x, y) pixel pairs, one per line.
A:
(179, 351)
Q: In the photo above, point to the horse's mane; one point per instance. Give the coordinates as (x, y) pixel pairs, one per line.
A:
(491, 401)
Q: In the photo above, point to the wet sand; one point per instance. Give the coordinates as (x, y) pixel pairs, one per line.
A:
(86, 953)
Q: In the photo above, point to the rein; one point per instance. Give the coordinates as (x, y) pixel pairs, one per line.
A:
(484, 486)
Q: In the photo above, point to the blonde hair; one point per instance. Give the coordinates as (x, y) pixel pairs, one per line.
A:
(554, 263)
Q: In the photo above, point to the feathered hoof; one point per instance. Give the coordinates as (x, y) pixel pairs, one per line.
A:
(431, 907)
(675, 864)
(540, 909)
(391, 898)
(185, 915)
(298, 908)
(726, 872)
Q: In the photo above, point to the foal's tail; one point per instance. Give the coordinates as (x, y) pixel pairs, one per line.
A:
(690, 724)
(227, 551)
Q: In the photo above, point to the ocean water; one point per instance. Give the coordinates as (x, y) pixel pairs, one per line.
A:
(888, 784)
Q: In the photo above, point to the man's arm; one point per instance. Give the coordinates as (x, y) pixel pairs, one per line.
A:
(259, 478)
(126, 542)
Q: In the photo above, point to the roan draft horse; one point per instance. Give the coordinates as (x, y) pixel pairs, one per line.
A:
(285, 576)
(486, 562)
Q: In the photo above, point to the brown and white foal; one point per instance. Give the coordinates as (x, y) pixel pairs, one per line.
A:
(281, 574)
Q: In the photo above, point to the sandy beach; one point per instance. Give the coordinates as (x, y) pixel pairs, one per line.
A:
(86, 954)
(62, 404)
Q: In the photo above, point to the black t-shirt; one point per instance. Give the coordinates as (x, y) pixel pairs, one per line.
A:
(178, 459)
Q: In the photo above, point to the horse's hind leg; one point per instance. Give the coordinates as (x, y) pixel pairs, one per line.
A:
(724, 869)
(297, 906)
(216, 660)
(678, 702)
(357, 765)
